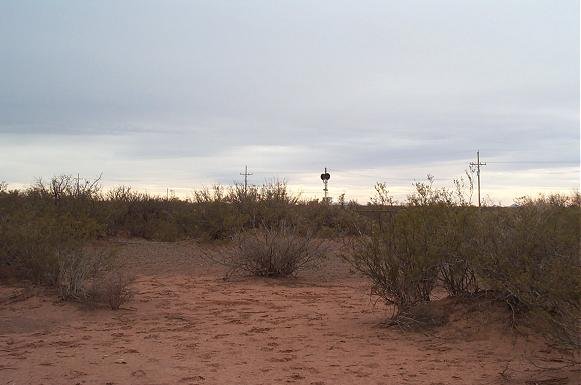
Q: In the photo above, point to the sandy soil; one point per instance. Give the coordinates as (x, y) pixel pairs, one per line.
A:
(186, 325)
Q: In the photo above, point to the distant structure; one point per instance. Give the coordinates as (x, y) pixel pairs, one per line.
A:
(477, 165)
(246, 175)
(325, 178)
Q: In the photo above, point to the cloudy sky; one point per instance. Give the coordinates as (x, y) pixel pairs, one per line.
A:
(179, 94)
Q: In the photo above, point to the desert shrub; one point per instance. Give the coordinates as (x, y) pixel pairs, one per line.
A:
(111, 288)
(329, 220)
(222, 212)
(526, 256)
(451, 231)
(276, 204)
(275, 251)
(529, 256)
(457, 246)
(425, 241)
(34, 242)
(51, 251)
(216, 216)
(75, 268)
(149, 217)
(398, 275)
(399, 280)
(458, 277)
(218, 212)
(44, 231)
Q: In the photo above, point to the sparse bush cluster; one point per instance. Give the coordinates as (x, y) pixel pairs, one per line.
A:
(221, 212)
(425, 242)
(218, 212)
(530, 256)
(45, 234)
(44, 229)
(275, 251)
(111, 288)
(527, 256)
(74, 270)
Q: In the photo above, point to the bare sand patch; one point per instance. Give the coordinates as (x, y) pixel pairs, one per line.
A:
(186, 325)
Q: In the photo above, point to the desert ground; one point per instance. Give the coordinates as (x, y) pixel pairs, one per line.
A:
(187, 325)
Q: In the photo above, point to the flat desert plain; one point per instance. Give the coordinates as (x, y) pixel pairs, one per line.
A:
(187, 325)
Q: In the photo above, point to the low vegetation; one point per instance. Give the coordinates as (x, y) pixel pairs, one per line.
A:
(111, 289)
(530, 257)
(526, 256)
(75, 269)
(275, 251)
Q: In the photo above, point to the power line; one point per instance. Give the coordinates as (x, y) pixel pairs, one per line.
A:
(246, 175)
(533, 162)
(478, 164)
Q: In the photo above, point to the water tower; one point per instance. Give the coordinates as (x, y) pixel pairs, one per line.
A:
(325, 178)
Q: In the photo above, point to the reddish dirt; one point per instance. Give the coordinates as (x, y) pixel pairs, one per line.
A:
(186, 325)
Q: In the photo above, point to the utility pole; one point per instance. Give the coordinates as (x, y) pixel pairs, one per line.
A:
(78, 185)
(246, 175)
(478, 164)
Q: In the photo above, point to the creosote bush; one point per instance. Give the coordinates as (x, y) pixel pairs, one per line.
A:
(526, 256)
(397, 277)
(418, 246)
(53, 218)
(529, 255)
(275, 251)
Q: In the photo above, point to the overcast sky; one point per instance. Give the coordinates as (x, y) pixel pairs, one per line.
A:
(179, 94)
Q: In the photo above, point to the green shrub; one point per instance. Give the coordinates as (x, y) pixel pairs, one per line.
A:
(457, 236)
(422, 242)
(529, 255)
(398, 277)
(33, 245)
(329, 220)
(216, 216)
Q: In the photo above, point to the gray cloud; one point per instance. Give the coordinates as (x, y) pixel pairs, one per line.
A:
(185, 92)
